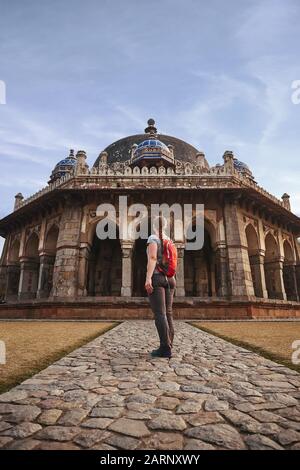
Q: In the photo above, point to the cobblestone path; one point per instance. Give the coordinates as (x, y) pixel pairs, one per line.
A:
(110, 394)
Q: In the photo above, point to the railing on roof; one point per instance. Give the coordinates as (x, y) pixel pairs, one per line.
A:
(181, 169)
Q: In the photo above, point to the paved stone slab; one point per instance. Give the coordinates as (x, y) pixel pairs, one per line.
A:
(110, 394)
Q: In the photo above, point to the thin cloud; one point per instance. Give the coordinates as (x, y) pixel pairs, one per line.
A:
(215, 75)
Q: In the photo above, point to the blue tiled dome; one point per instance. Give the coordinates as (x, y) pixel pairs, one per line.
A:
(151, 150)
(63, 167)
(242, 167)
(152, 143)
(66, 162)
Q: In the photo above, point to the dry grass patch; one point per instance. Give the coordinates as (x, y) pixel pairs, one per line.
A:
(33, 345)
(272, 340)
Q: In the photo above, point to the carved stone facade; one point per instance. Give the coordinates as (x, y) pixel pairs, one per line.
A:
(52, 252)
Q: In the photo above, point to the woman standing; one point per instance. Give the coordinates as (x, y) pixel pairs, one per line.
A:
(160, 289)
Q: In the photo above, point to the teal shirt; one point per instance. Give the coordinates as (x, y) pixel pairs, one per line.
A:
(155, 239)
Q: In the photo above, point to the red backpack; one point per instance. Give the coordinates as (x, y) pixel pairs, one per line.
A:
(168, 263)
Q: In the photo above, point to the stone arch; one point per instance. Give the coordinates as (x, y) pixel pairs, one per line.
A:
(13, 271)
(139, 268)
(209, 227)
(200, 266)
(51, 239)
(273, 268)
(297, 246)
(14, 251)
(32, 246)
(104, 272)
(139, 264)
(89, 234)
(297, 250)
(252, 238)
(30, 265)
(47, 261)
(289, 272)
(288, 252)
(254, 259)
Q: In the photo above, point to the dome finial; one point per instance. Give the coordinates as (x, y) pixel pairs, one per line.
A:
(151, 129)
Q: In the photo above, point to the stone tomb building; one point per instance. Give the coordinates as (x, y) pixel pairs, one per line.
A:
(53, 264)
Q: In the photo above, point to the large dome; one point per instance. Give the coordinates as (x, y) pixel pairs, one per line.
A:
(120, 150)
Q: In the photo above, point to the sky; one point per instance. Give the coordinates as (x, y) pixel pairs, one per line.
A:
(83, 74)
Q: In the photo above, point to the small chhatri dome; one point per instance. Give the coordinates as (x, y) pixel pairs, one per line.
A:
(63, 167)
(152, 152)
(153, 143)
(242, 167)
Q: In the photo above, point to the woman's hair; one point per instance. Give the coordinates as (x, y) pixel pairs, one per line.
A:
(160, 224)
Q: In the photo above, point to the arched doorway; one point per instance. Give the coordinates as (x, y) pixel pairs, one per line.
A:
(30, 268)
(199, 270)
(47, 261)
(13, 271)
(104, 277)
(273, 268)
(139, 268)
(254, 259)
(289, 272)
(297, 268)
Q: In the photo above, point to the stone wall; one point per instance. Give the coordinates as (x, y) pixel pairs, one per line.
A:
(225, 220)
(65, 274)
(139, 309)
(239, 267)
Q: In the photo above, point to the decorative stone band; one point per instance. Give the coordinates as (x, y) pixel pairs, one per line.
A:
(122, 169)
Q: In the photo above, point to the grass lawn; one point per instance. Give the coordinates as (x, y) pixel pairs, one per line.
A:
(32, 345)
(272, 340)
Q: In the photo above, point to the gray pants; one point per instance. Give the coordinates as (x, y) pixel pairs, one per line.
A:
(161, 302)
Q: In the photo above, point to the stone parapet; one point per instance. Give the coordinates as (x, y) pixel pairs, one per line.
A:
(194, 174)
(120, 308)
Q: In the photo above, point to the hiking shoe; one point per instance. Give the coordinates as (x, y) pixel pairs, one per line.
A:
(167, 354)
(160, 353)
(156, 352)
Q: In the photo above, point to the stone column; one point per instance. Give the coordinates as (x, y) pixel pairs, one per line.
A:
(279, 283)
(290, 281)
(127, 248)
(12, 281)
(223, 288)
(3, 270)
(3, 282)
(83, 268)
(297, 273)
(65, 275)
(4, 255)
(45, 275)
(257, 262)
(91, 277)
(238, 260)
(212, 273)
(28, 278)
(274, 272)
(180, 290)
